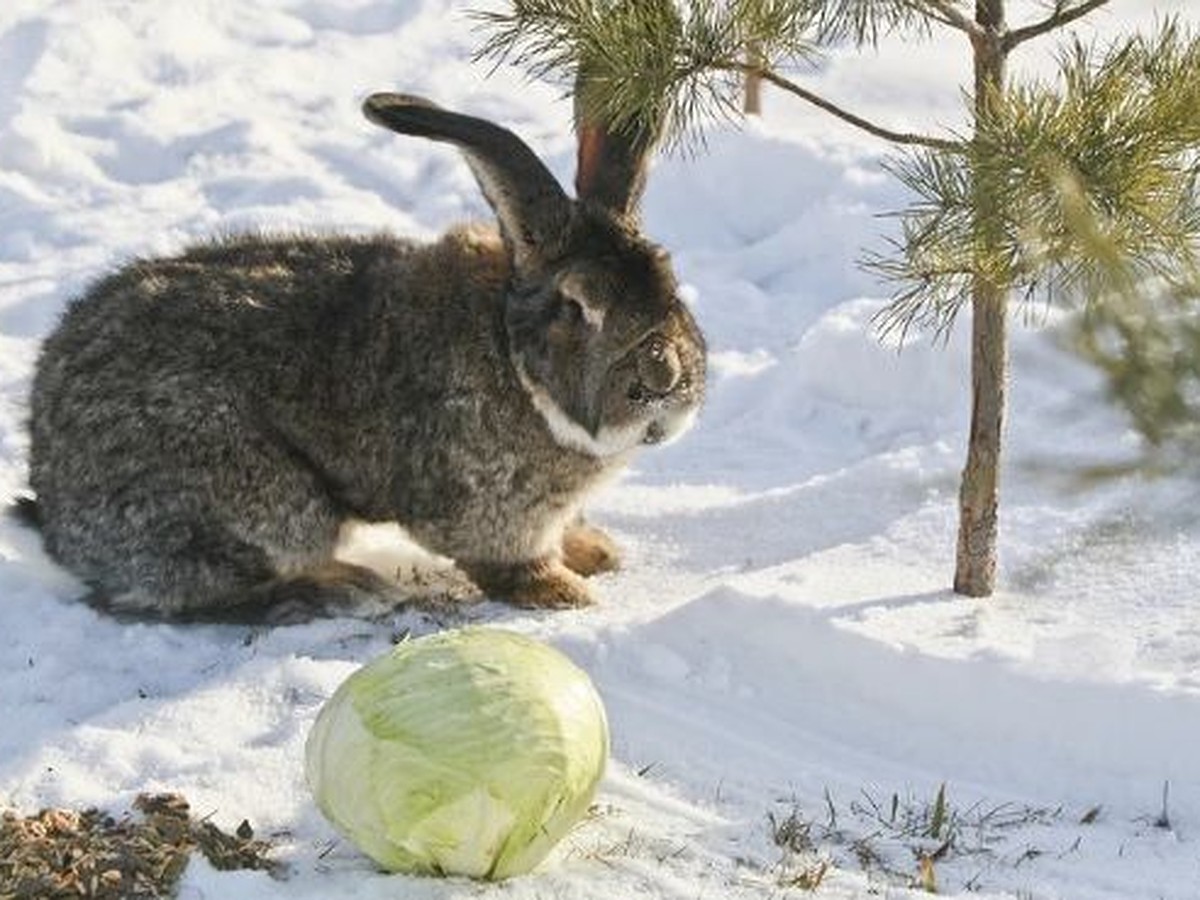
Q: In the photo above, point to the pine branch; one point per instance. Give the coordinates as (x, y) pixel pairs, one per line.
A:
(1093, 189)
(1059, 18)
(863, 22)
(947, 13)
(689, 62)
(879, 131)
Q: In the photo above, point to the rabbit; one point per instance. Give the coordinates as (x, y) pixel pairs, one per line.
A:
(203, 426)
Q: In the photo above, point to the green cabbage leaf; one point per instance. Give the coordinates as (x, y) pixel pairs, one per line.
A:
(467, 752)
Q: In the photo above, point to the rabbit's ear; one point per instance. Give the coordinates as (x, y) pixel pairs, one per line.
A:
(611, 163)
(531, 206)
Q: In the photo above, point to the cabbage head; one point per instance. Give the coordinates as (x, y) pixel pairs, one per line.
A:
(467, 752)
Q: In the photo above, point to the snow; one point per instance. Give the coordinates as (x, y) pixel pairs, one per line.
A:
(782, 638)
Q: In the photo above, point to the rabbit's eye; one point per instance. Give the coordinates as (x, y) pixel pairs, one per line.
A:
(637, 393)
(658, 365)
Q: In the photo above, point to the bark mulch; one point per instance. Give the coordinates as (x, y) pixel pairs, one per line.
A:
(59, 854)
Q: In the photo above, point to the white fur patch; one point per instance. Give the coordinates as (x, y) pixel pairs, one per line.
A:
(679, 425)
(593, 315)
(572, 286)
(569, 433)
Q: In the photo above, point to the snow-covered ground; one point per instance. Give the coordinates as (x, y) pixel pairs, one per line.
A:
(781, 651)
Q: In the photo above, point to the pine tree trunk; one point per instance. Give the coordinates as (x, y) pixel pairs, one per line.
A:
(975, 569)
(975, 566)
(752, 98)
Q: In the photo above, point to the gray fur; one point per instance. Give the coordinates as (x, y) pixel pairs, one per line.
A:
(204, 425)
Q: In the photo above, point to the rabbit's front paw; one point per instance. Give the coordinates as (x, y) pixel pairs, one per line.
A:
(537, 584)
(557, 589)
(589, 551)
